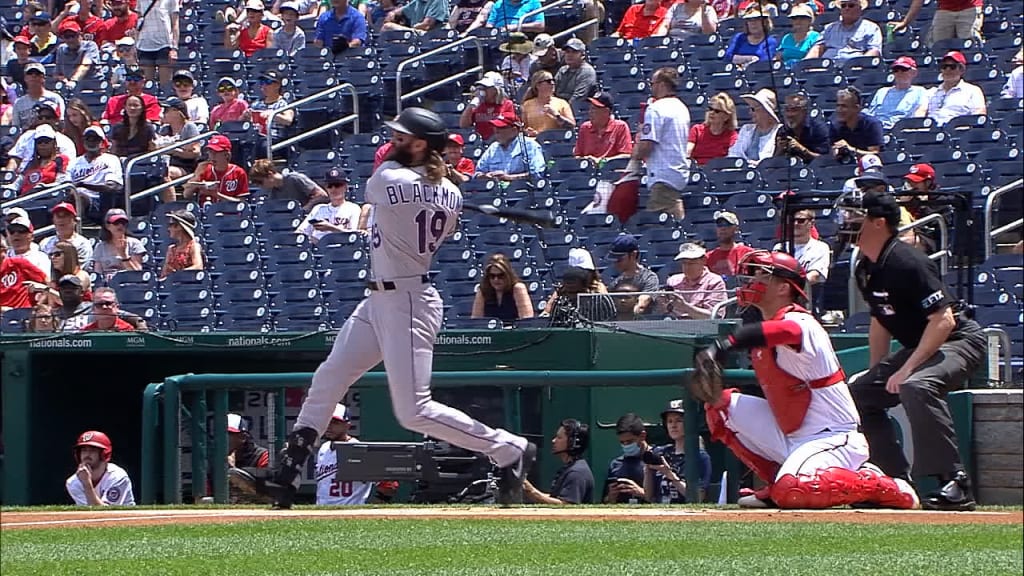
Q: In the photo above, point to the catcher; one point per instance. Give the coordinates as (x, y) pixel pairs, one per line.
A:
(802, 439)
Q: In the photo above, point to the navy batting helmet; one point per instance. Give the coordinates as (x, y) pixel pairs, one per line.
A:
(422, 123)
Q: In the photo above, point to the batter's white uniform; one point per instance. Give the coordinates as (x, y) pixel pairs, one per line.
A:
(398, 322)
(115, 488)
(330, 491)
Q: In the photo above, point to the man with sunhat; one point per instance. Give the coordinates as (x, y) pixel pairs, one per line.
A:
(512, 155)
(576, 79)
(698, 289)
(724, 259)
(97, 174)
(338, 215)
(624, 254)
(134, 82)
(954, 96)
(76, 58)
(602, 136)
(270, 86)
(518, 58)
(903, 99)
(216, 178)
(65, 224)
(23, 111)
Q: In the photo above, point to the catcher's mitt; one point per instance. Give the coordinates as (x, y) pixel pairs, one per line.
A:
(706, 380)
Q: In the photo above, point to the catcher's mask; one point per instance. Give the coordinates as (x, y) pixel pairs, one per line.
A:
(756, 265)
(95, 439)
(853, 207)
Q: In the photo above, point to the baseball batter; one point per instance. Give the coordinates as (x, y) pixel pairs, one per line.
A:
(98, 481)
(414, 209)
(802, 438)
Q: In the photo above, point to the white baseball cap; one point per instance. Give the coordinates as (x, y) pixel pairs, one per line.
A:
(691, 251)
(340, 413)
(581, 258)
(236, 423)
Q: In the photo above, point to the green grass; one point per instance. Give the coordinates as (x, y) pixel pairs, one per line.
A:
(494, 547)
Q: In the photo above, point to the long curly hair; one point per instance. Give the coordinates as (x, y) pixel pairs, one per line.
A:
(497, 264)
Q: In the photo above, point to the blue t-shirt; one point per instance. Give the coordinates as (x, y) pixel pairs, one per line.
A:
(352, 26)
(792, 52)
(506, 13)
(890, 105)
(867, 132)
(739, 45)
(623, 467)
(665, 492)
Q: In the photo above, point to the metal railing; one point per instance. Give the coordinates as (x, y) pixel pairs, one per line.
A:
(544, 8)
(44, 193)
(353, 117)
(942, 255)
(1003, 338)
(153, 154)
(479, 68)
(718, 307)
(990, 203)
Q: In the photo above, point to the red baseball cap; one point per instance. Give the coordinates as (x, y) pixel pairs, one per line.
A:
(505, 121)
(65, 206)
(456, 139)
(69, 25)
(956, 56)
(23, 40)
(905, 62)
(219, 143)
(920, 173)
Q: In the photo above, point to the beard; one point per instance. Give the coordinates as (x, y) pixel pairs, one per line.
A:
(402, 155)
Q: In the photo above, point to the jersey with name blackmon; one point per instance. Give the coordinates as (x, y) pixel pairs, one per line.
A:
(412, 218)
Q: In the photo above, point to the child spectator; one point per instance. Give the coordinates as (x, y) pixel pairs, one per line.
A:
(217, 178)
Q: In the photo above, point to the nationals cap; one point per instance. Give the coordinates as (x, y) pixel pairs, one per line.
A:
(955, 56)
(336, 176)
(340, 413)
(905, 62)
(920, 173)
(219, 143)
(64, 207)
(237, 424)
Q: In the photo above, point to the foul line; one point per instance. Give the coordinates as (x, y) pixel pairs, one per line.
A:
(91, 520)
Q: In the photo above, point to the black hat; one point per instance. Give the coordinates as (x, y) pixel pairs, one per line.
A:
(881, 205)
(133, 70)
(186, 74)
(177, 104)
(674, 407)
(272, 75)
(422, 123)
(336, 176)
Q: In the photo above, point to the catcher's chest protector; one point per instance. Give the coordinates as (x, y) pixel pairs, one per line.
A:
(787, 396)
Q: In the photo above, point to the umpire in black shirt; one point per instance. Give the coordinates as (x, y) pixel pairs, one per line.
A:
(940, 349)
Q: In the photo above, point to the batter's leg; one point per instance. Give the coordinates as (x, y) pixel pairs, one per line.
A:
(406, 325)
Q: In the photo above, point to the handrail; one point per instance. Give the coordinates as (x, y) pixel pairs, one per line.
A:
(1004, 345)
(717, 307)
(39, 194)
(354, 117)
(580, 26)
(153, 154)
(152, 190)
(990, 202)
(399, 97)
(544, 8)
(942, 255)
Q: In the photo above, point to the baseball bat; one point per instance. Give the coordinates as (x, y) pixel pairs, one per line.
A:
(542, 218)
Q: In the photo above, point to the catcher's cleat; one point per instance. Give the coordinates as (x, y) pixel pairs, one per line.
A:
(510, 479)
(756, 498)
(260, 482)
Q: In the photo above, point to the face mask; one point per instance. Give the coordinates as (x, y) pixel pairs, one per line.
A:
(92, 146)
(631, 449)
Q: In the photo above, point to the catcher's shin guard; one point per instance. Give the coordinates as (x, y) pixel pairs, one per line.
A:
(838, 486)
(763, 467)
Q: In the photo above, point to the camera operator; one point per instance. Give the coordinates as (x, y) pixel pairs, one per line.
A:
(574, 482)
(801, 136)
(593, 306)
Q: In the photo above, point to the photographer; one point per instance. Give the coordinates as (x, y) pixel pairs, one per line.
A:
(801, 136)
(567, 310)
(623, 484)
(574, 482)
(852, 132)
(664, 474)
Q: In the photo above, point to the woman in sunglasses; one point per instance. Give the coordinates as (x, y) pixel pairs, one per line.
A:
(501, 294)
(232, 107)
(47, 166)
(717, 134)
(117, 250)
(542, 110)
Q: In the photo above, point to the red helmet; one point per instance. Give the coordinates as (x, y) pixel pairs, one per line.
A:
(777, 264)
(95, 439)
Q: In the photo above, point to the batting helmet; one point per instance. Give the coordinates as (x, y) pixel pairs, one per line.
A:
(421, 123)
(95, 439)
(778, 264)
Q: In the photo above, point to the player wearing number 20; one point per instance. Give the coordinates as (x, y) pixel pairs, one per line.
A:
(329, 491)
(415, 208)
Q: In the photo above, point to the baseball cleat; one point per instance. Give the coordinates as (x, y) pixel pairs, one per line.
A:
(954, 496)
(510, 478)
(260, 481)
(757, 499)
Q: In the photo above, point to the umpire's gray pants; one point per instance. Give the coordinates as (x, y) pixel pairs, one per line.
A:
(923, 396)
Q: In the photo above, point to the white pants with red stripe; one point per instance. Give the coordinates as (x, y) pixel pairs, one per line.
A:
(399, 327)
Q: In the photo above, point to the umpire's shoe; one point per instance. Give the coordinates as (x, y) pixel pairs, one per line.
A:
(954, 495)
(510, 479)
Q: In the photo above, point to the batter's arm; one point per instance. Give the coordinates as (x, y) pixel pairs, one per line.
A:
(879, 342)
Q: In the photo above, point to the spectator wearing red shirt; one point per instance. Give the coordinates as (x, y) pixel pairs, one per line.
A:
(14, 272)
(641, 20)
(106, 313)
(47, 166)
(134, 82)
(603, 137)
(217, 178)
(488, 102)
(459, 166)
(232, 108)
(89, 23)
(724, 259)
(117, 26)
(253, 35)
(717, 134)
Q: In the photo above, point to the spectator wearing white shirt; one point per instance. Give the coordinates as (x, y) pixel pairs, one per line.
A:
(184, 89)
(1014, 87)
(339, 215)
(756, 141)
(19, 241)
(65, 222)
(954, 96)
(97, 174)
(813, 254)
(24, 149)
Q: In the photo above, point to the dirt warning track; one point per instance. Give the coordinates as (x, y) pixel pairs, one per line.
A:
(28, 520)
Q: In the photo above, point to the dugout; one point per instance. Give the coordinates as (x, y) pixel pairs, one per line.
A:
(55, 387)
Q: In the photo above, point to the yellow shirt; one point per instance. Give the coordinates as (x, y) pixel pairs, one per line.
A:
(534, 116)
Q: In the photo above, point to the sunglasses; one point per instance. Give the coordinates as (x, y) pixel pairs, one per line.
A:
(183, 83)
(495, 276)
(118, 223)
(801, 220)
(34, 73)
(336, 184)
(133, 78)
(223, 89)
(99, 304)
(56, 254)
(547, 81)
(45, 140)
(849, 5)
(124, 48)
(267, 81)
(712, 109)
(949, 66)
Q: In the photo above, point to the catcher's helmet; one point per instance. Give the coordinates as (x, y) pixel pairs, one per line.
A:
(777, 264)
(421, 123)
(95, 439)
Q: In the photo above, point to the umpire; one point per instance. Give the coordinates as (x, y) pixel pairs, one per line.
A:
(940, 349)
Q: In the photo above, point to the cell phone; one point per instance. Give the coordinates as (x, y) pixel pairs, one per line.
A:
(315, 221)
(651, 458)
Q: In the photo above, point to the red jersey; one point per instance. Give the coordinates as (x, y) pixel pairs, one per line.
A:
(233, 182)
(486, 112)
(724, 262)
(614, 140)
(465, 166)
(636, 24)
(36, 175)
(959, 5)
(225, 112)
(707, 146)
(119, 326)
(91, 27)
(115, 108)
(113, 29)
(14, 271)
(249, 44)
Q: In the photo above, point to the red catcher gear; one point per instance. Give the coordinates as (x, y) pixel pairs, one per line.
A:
(778, 264)
(96, 440)
(788, 396)
(838, 486)
(763, 467)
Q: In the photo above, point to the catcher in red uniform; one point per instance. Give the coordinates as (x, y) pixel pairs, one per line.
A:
(802, 438)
